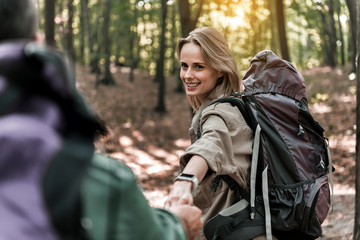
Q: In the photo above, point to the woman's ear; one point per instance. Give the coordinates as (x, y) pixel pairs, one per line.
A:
(220, 74)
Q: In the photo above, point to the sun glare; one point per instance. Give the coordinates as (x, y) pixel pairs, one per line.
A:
(238, 19)
(231, 21)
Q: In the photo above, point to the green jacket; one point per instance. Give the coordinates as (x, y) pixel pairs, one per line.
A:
(115, 208)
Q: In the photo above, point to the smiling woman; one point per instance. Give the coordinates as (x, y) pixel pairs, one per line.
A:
(209, 72)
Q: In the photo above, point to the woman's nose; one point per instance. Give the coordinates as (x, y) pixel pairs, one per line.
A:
(188, 73)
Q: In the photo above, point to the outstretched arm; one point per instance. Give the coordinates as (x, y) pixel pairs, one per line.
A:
(181, 191)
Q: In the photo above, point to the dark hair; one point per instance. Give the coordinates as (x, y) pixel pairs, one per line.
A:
(18, 18)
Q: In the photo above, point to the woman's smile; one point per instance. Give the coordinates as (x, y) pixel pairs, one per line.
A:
(192, 85)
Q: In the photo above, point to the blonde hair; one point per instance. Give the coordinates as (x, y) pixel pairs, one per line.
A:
(217, 54)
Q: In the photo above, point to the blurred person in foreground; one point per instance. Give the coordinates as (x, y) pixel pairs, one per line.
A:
(53, 185)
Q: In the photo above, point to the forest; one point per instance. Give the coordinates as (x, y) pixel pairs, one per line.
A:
(123, 54)
(143, 34)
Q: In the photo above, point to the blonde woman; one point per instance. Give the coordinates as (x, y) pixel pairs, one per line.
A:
(221, 141)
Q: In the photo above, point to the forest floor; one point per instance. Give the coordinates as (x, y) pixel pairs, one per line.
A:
(151, 143)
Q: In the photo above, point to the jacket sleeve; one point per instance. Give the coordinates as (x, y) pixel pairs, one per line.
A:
(115, 208)
(225, 142)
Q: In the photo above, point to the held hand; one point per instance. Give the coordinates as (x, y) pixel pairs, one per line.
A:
(190, 217)
(180, 194)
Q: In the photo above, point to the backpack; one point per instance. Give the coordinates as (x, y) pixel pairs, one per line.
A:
(291, 168)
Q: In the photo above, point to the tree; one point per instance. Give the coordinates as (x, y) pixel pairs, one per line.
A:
(107, 78)
(160, 63)
(83, 9)
(331, 33)
(353, 31)
(254, 27)
(357, 171)
(341, 35)
(69, 31)
(274, 34)
(282, 30)
(134, 45)
(187, 19)
(49, 22)
(94, 55)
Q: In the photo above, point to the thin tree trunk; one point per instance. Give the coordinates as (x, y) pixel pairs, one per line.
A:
(49, 22)
(134, 43)
(356, 235)
(160, 63)
(92, 34)
(188, 22)
(107, 79)
(332, 35)
(254, 26)
(274, 34)
(353, 31)
(341, 37)
(175, 65)
(69, 31)
(282, 30)
(82, 32)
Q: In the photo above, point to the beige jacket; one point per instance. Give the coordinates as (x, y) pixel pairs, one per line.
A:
(226, 145)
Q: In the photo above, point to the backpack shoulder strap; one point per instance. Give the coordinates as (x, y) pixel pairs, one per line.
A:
(239, 102)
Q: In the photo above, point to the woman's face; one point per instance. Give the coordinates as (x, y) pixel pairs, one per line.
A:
(198, 77)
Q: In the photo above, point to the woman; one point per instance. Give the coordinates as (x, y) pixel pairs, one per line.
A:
(221, 141)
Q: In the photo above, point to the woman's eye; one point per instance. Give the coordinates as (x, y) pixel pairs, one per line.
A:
(183, 65)
(199, 67)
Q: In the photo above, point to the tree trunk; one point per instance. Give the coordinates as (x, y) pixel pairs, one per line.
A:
(274, 33)
(49, 22)
(353, 31)
(160, 63)
(175, 70)
(341, 37)
(107, 79)
(188, 22)
(134, 45)
(94, 59)
(69, 31)
(82, 32)
(326, 34)
(332, 35)
(254, 27)
(357, 170)
(282, 30)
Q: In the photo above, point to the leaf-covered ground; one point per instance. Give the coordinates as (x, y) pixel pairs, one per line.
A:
(151, 143)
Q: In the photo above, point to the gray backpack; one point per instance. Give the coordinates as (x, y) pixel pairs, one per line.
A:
(291, 170)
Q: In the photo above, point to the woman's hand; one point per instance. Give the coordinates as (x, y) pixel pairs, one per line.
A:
(181, 191)
(180, 194)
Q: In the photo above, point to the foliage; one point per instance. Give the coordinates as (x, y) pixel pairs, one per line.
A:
(247, 24)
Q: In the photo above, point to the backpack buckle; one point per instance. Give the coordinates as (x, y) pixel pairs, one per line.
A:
(320, 168)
